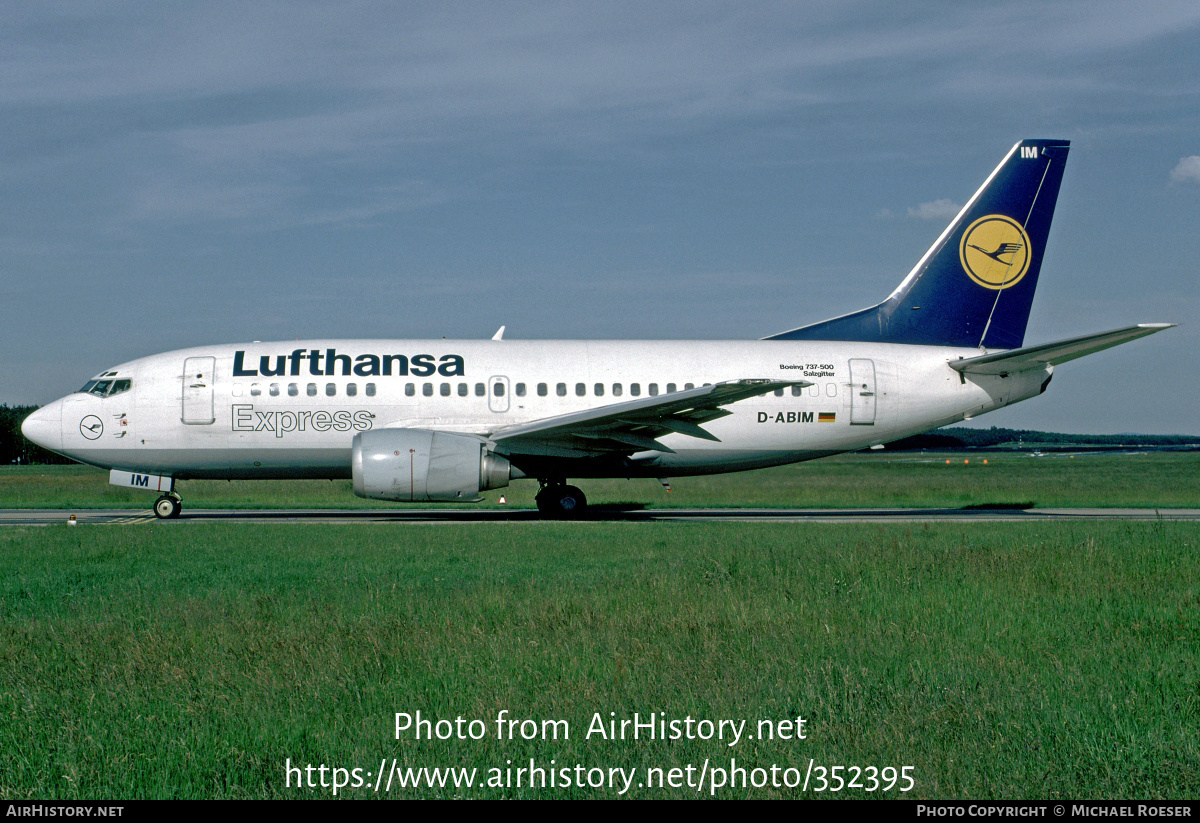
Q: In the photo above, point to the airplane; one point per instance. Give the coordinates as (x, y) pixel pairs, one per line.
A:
(444, 420)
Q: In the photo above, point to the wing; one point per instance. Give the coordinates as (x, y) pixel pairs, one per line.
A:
(631, 426)
(1033, 357)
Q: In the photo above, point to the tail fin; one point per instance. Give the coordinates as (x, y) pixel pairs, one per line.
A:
(974, 287)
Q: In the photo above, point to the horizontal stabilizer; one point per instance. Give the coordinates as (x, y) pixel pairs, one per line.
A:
(1033, 357)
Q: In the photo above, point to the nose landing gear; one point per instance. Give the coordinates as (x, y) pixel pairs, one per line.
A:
(168, 507)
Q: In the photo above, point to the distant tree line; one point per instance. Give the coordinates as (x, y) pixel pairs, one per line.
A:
(14, 448)
(954, 439)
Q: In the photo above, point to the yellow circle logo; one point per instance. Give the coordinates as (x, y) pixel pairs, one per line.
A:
(995, 251)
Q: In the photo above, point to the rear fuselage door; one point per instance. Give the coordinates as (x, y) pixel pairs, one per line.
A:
(198, 374)
(862, 392)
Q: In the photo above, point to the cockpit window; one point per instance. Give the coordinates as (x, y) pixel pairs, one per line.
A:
(106, 388)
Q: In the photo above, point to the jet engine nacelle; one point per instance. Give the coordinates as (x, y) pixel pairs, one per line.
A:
(419, 465)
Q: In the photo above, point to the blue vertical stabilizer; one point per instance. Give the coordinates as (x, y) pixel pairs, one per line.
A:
(974, 287)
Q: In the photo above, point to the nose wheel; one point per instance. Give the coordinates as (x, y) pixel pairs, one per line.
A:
(167, 507)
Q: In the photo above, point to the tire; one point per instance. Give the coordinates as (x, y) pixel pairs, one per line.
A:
(561, 502)
(166, 508)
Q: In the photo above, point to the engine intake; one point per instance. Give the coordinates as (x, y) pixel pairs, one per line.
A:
(419, 465)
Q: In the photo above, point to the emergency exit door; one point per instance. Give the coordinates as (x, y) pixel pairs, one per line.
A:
(198, 390)
(498, 393)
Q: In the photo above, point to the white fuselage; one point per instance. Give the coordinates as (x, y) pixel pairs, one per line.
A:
(291, 409)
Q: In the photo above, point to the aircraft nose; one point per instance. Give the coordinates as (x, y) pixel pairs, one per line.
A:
(44, 426)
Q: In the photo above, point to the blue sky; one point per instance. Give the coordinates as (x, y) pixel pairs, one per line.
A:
(175, 174)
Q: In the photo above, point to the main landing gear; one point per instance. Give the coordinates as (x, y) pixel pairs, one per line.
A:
(558, 500)
(168, 507)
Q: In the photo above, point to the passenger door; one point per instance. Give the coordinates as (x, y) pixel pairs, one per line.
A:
(198, 373)
(862, 392)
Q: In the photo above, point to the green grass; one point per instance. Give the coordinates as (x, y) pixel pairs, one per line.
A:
(1158, 480)
(999, 660)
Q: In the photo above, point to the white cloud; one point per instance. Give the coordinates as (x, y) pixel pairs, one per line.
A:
(1188, 169)
(942, 209)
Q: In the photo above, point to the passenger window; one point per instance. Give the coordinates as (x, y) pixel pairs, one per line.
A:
(274, 389)
(311, 389)
(330, 389)
(462, 389)
(427, 389)
(498, 389)
(542, 389)
(351, 389)
(670, 388)
(520, 390)
(410, 390)
(831, 389)
(293, 390)
(635, 389)
(561, 389)
(599, 389)
(797, 391)
(237, 390)
(814, 390)
(370, 390)
(689, 386)
(445, 389)
(580, 390)
(480, 390)
(616, 389)
(779, 392)
(255, 390)
(653, 389)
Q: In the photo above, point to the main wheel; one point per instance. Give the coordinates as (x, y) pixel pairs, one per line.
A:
(561, 501)
(167, 507)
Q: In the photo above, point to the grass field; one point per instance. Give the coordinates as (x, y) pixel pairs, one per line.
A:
(1158, 480)
(998, 661)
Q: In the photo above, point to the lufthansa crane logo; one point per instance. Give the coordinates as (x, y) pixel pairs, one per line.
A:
(994, 251)
(91, 427)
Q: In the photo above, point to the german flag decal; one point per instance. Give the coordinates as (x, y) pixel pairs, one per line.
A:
(826, 417)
